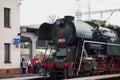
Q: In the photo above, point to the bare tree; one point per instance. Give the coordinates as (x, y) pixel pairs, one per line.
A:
(52, 18)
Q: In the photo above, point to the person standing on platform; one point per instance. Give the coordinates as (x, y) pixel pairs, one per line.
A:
(38, 66)
(24, 66)
(21, 63)
(34, 60)
(29, 66)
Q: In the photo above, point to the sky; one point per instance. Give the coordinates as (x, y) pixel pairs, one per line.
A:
(38, 11)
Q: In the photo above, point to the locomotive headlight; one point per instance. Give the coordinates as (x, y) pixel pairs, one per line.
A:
(58, 22)
(64, 59)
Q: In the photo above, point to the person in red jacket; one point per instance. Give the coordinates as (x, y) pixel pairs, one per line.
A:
(34, 60)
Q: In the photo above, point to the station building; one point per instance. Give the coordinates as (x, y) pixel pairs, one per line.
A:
(28, 34)
(9, 37)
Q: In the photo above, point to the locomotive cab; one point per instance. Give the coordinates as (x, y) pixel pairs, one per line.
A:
(88, 62)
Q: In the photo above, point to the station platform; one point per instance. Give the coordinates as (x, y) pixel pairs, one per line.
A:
(100, 77)
(37, 76)
(21, 77)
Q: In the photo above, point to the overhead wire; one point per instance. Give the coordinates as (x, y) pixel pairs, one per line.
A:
(109, 16)
(118, 3)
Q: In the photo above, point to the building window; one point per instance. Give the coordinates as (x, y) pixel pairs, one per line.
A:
(7, 52)
(41, 44)
(7, 17)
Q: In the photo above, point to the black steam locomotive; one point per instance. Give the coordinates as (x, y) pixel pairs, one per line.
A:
(77, 48)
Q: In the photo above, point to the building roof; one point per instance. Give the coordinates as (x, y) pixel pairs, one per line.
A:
(33, 26)
(30, 28)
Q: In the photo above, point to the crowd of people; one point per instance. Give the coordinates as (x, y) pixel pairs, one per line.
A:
(30, 66)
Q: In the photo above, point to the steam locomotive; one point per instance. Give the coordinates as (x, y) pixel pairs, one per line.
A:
(78, 48)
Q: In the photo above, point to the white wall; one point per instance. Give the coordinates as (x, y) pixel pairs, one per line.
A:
(8, 34)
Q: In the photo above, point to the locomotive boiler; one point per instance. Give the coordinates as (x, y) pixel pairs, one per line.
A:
(78, 48)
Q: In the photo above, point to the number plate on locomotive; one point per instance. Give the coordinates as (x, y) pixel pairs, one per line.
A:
(61, 40)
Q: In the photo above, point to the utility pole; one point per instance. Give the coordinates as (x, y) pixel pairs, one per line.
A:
(88, 9)
(78, 13)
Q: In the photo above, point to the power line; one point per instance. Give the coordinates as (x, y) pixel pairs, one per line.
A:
(97, 12)
(113, 2)
(109, 16)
